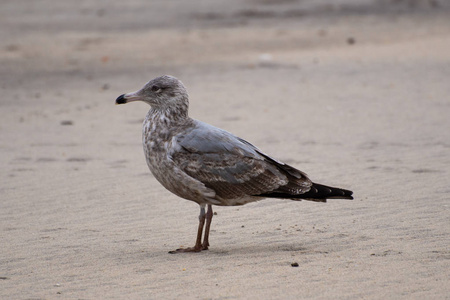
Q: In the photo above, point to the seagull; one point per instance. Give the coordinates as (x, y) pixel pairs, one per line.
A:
(210, 166)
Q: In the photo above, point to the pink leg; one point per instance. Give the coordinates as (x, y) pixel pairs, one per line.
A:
(209, 216)
(198, 243)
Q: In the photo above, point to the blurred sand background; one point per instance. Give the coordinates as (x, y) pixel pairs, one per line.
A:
(354, 93)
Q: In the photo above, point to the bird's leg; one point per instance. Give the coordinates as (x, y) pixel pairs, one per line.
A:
(198, 243)
(209, 216)
(201, 224)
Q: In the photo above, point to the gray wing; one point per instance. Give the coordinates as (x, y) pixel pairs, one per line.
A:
(232, 167)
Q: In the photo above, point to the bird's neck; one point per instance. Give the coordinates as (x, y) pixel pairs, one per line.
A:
(168, 116)
(161, 125)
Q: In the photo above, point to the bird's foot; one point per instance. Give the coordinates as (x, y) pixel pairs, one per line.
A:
(190, 249)
(205, 246)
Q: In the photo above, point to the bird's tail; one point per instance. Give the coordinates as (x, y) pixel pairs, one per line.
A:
(318, 193)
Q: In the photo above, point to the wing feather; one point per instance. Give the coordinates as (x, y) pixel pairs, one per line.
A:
(232, 167)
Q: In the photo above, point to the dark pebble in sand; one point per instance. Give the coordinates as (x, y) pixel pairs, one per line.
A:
(294, 264)
(66, 122)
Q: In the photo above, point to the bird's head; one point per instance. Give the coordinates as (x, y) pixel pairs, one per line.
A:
(161, 93)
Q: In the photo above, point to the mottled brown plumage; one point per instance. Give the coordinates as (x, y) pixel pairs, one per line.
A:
(211, 166)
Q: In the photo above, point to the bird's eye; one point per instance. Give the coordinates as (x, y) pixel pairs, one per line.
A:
(156, 89)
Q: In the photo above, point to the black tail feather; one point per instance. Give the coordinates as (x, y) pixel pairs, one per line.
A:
(318, 192)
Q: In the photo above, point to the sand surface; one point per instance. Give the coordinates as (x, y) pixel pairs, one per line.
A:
(354, 93)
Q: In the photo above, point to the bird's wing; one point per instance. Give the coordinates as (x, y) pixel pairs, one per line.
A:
(231, 166)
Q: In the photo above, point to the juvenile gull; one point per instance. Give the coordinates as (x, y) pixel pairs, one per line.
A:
(208, 165)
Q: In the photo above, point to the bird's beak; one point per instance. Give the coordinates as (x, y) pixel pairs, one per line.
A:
(129, 97)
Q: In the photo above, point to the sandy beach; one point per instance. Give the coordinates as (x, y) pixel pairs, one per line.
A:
(354, 93)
